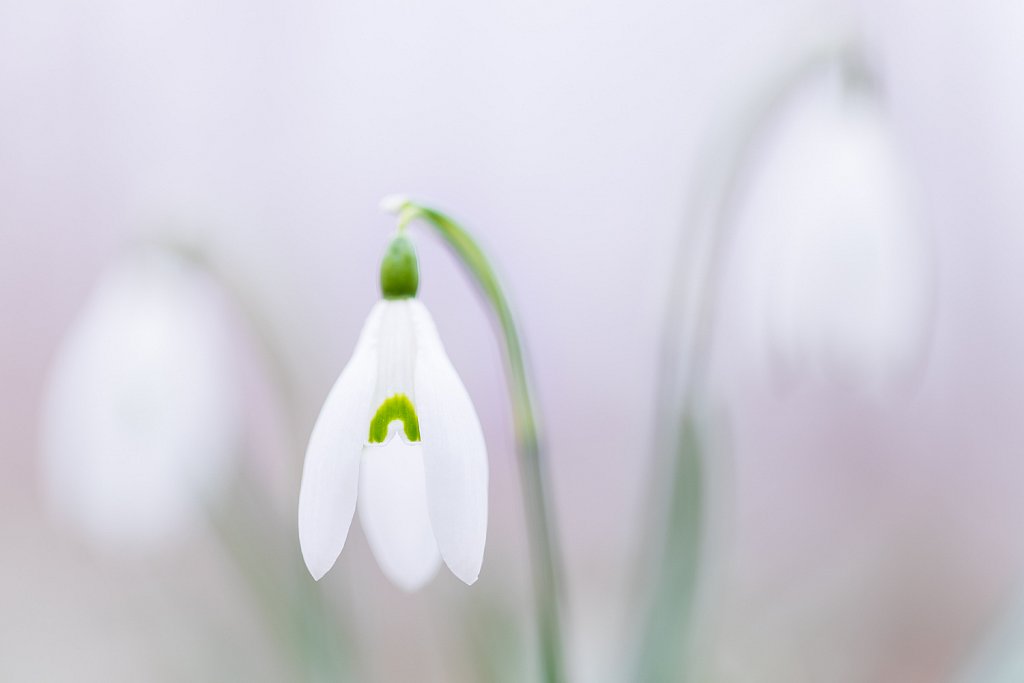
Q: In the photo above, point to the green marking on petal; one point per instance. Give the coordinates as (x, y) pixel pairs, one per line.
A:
(398, 407)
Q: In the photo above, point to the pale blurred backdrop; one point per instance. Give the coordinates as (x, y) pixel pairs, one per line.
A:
(873, 536)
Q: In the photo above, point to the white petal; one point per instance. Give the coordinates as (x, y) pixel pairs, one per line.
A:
(393, 511)
(454, 454)
(330, 475)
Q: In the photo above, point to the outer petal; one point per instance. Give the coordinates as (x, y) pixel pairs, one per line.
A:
(393, 511)
(330, 476)
(454, 454)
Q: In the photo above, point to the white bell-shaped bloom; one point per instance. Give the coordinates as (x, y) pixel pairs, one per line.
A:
(841, 263)
(141, 419)
(398, 433)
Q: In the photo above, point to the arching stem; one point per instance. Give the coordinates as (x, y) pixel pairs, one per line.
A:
(666, 651)
(544, 557)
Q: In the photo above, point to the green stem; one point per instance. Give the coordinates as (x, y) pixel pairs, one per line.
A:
(258, 548)
(667, 646)
(543, 548)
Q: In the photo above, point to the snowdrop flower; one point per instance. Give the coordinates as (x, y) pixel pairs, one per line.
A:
(842, 271)
(398, 433)
(140, 421)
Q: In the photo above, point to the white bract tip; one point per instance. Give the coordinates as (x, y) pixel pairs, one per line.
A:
(393, 203)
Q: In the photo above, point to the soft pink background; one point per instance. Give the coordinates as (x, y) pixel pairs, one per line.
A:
(870, 538)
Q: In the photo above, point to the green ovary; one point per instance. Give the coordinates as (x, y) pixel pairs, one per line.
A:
(397, 407)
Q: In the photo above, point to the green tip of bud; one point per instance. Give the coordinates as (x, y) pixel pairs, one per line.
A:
(399, 270)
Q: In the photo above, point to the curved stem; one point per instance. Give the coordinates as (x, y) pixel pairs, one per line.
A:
(543, 548)
(314, 639)
(666, 647)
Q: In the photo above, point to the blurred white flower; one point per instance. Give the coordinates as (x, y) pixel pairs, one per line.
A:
(420, 499)
(141, 417)
(841, 261)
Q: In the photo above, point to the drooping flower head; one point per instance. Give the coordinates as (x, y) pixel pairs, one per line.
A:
(842, 268)
(399, 438)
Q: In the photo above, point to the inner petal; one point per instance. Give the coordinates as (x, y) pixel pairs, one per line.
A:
(393, 396)
(394, 514)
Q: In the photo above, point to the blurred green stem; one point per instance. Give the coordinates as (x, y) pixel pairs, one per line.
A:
(297, 614)
(666, 649)
(315, 641)
(543, 548)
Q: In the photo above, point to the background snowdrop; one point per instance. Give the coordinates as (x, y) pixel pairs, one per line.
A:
(838, 264)
(141, 420)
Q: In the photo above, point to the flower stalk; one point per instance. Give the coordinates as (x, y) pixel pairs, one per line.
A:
(666, 651)
(312, 637)
(546, 564)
